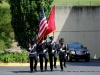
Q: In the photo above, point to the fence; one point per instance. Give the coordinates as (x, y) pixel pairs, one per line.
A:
(76, 2)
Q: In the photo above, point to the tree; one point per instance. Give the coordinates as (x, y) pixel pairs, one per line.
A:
(0, 1)
(6, 30)
(26, 17)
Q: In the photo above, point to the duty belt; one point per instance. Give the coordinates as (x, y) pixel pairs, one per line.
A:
(33, 53)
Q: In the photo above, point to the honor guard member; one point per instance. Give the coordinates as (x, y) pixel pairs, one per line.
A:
(42, 50)
(52, 50)
(32, 54)
(62, 53)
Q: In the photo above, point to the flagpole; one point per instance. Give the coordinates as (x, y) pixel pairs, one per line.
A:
(53, 34)
(43, 8)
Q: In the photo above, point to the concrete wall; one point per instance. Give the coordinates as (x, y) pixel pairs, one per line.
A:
(79, 24)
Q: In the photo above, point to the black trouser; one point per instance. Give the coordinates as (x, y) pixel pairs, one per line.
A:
(31, 62)
(62, 58)
(51, 56)
(41, 60)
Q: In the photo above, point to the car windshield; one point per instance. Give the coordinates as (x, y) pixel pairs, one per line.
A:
(75, 45)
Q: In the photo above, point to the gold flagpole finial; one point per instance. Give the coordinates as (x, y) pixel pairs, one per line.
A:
(43, 3)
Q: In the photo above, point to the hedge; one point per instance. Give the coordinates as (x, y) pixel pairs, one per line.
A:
(15, 57)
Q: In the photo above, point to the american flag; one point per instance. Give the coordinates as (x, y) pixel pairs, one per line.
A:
(42, 26)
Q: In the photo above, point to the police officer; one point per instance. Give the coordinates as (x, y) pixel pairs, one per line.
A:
(42, 50)
(52, 50)
(32, 54)
(62, 53)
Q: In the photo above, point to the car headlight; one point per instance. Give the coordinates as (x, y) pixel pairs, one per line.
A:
(87, 52)
(72, 52)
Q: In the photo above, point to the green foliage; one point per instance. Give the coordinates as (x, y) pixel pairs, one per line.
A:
(0, 1)
(11, 57)
(15, 57)
(26, 17)
(76, 2)
(5, 26)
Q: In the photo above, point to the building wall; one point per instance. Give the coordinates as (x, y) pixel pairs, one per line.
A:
(79, 24)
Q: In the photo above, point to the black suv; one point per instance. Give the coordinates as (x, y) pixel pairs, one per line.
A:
(77, 51)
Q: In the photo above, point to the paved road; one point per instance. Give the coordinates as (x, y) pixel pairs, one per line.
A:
(73, 68)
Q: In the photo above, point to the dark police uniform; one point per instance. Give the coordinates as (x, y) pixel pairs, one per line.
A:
(62, 53)
(33, 56)
(52, 50)
(42, 51)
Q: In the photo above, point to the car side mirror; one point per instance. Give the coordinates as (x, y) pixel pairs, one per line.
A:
(85, 47)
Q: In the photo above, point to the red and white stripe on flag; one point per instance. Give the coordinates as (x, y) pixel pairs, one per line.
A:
(42, 26)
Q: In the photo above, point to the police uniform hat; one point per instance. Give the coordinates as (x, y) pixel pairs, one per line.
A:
(51, 37)
(45, 37)
(32, 39)
(62, 40)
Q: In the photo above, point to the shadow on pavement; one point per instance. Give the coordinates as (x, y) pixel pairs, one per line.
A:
(94, 62)
(34, 71)
(21, 71)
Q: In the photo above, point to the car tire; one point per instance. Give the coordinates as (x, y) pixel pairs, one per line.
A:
(69, 58)
(77, 60)
(87, 59)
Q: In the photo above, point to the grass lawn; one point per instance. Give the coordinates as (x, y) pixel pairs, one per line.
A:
(77, 2)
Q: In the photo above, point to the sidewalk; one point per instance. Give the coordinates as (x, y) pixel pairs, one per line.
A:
(21, 64)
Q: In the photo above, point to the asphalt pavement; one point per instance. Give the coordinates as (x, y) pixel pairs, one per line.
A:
(73, 68)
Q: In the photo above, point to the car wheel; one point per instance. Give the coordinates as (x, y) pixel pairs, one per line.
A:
(87, 59)
(69, 58)
(77, 59)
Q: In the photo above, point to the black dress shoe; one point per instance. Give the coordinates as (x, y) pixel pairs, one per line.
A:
(51, 70)
(31, 71)
(41, 70)
(62, 70)
(55, 66)
(35, 69)
(65, 66)
(45, 69)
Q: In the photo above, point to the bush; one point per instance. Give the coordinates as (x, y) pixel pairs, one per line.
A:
(11, 57)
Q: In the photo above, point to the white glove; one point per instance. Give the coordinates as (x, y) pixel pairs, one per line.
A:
(53, 51)
(52, 42)
(43, 41)
(44, 51)
(30, 49)
(62, 50)
(38, 57)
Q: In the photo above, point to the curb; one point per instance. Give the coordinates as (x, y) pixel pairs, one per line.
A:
(22, 64)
